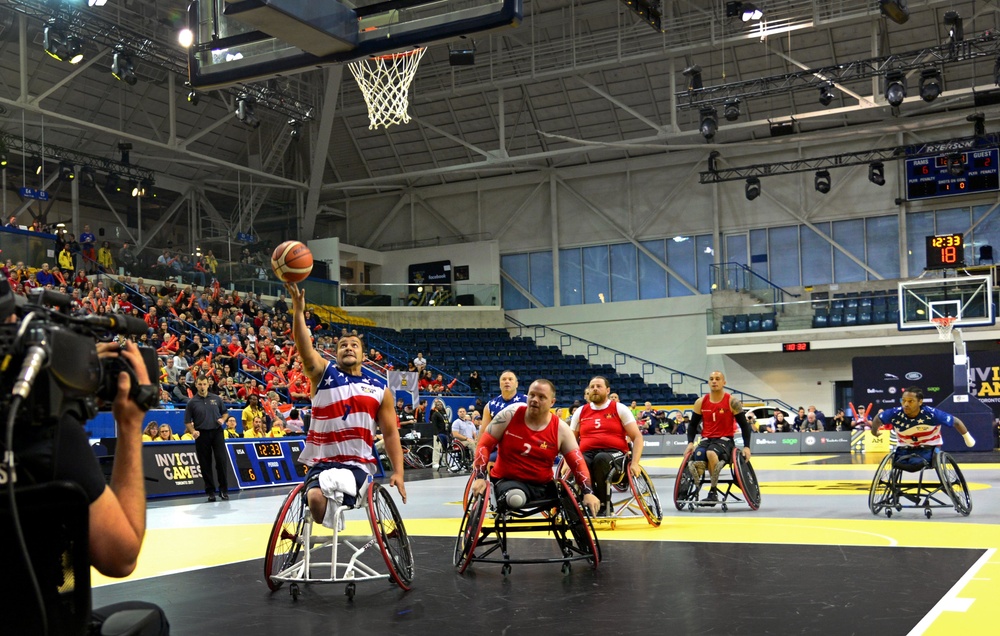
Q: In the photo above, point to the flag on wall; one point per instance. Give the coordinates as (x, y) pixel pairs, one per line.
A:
(405, 382)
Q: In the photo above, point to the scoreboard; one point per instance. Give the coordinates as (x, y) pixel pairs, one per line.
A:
(266, 462)
(954, 173)
(945, 252)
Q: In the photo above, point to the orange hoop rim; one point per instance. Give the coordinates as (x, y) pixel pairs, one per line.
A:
(393, 56)
(944, 321)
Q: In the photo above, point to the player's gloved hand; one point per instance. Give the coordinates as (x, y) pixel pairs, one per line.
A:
(970, 441)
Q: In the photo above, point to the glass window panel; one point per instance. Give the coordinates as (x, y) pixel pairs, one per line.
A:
(988, 230)
(817, 255)
(595, 274)
(515, 266)
(851, 236)
(680, 258)
(919, 226)
(759, 260)
(624, 273)
(652, 278)
(882, 238)
(736, 248)
(706, 258)
(784, 251)
(541, 277)
(570, 277)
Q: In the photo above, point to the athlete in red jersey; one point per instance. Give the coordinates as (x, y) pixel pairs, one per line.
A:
(529, 437)
(719, 413)
(602, 425)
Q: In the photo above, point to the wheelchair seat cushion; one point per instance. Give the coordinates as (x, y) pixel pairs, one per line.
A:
(913, 459)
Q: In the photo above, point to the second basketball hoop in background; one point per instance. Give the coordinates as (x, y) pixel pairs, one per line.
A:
(292, 261)
(385, 84)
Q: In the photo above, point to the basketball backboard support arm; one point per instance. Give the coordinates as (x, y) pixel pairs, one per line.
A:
(334, 77)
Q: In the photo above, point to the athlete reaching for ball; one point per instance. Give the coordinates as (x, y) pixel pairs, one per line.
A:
(528, 438)
(718, 412)
(346, 405)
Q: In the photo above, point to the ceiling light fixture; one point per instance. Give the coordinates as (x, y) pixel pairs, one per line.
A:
(709, 122)
(822, 181)
(826, 94)
(930, 84)
(895, 88)
(752, 188)
(122, 68)
(693, 73)
(876, 173)
(732, 109)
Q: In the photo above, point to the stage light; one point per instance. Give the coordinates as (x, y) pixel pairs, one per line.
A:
(185, 37)
(60, 45)
(294, 129)
(956, 165)
(709, 122)
(194, 98)
(39, 166)
(826, 94)
(752, 188)
(930, 84)
(954, 23)
(750, 12)
(822, 181)
(876, 173)
(245, 112)
(66, 172)
(895, 10)
(3, 160)
(732, 110)
(895, 87)
(112, 183)
(979, 123)
(88, 177)
(693, 73)
(122, 68)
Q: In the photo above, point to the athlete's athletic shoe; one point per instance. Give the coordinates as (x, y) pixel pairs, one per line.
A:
(712, 496)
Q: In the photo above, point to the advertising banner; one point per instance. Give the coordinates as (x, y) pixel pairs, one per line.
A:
(171, 468)
(825, 442)
(664, 444)
(775, 444)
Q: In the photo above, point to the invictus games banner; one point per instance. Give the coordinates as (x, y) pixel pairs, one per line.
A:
(880, 380)
(171, 468)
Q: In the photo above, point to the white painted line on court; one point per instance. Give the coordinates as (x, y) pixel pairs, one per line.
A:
(950, 602)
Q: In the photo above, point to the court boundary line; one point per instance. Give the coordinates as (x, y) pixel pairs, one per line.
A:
(948, 601)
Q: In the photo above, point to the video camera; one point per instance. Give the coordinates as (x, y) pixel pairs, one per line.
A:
(49, 362)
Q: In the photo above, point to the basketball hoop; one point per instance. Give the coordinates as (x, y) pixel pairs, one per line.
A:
(385, 84)
(944, 326)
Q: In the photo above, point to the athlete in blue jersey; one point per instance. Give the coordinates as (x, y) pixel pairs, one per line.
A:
(918, 426)
(508, 395)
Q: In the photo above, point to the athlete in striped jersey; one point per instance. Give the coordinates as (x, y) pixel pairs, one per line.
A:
(918, 426)
(346, 405)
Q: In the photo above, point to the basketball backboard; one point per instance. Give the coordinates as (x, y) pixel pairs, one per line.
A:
(239, 41)
(967, 299)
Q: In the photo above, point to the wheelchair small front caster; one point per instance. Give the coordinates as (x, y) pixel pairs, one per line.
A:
(350, 590)
(725, 508)
(928, 513)
(566, 569)
(888, 513)
(293, 589)
(505, 570)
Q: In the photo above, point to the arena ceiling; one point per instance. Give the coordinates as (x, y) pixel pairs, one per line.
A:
(578, 82)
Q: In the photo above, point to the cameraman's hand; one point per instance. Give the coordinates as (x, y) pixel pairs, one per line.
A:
(124, 409)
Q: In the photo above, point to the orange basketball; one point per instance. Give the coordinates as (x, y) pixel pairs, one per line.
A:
(291, 261)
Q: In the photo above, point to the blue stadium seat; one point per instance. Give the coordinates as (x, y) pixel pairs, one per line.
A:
(753, 322)
(740, 325)
(768, 322)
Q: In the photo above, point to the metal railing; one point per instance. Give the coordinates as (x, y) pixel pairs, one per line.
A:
(738, 277)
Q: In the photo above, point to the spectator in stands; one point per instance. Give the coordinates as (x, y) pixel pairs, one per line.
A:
(88, 245)
(126, 257)
(227, 390)
(105, 259)
(837, 423)
(280, 306)
(231, 430)
(819, 415)
(66, 261)
(475, 382)
(681, 424)
(811, 425)
(294, 424)
(464, 430)
(253, 410)
(12, 222)
(778, 423)
(420, 362)
(151, 432)
(407, 417)
(437, 384)
(799, 420)
(256, 428)
(647, 419)
(44, 276)
(166, 434)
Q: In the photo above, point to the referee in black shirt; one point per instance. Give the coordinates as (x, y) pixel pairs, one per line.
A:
(204, 419)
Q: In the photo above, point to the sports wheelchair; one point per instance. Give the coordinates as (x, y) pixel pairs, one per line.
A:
(561, 515)
(642, 502)
(742, 475)
(456, 457)
(889, 491)
(302, 551)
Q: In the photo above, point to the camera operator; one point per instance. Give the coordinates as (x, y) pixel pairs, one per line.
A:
(117, 512)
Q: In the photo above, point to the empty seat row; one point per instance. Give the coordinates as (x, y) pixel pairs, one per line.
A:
(743, 323)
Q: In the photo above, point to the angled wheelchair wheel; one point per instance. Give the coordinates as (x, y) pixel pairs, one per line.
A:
(393, 542)
(455, 457)
(685, 487)
(579, 524)
(645, 495)
(880, 493)
(953, 481)
(746, 479)
(284, 546)
(425, 454)
(471, 529)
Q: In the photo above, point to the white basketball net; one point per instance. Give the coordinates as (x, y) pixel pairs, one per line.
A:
(385, 83)
(944, 326)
